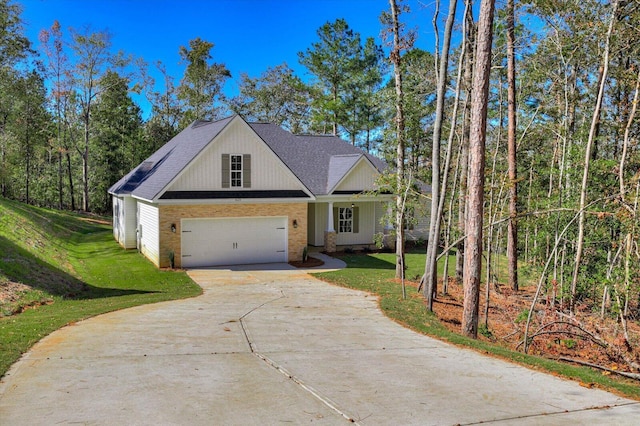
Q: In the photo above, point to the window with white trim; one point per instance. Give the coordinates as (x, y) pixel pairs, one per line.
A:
(236, 171)
(345, 219)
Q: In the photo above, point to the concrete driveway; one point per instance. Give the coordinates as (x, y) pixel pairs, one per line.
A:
(279, 347)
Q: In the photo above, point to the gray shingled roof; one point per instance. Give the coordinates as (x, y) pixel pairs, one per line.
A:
(151, 177)
(310, 157)
(319, 162)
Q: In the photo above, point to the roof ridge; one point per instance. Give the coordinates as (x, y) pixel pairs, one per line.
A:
(354, 154)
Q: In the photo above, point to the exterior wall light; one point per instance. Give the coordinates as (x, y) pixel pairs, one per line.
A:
(295, 223)
(173, 228)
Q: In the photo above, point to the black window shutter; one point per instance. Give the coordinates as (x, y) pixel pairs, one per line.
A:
(336, 220)
(246, 171)
(356, 221)
(225, 171)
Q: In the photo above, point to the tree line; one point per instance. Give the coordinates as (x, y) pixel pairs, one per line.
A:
(71, 126)
(541, 161)
(526, 133)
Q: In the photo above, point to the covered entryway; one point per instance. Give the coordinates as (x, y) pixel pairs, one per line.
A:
(233, 241)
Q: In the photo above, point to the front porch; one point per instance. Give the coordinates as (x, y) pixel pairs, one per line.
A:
(345, 223)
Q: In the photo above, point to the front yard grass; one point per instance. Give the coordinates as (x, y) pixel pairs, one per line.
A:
(80, 256)
(375, 273)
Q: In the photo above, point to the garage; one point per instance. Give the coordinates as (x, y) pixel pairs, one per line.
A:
(233, 241)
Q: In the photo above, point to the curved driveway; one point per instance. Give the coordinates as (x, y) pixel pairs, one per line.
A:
(279, 347)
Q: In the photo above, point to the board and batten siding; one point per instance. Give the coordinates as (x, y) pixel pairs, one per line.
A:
(361, 178)
(148, 228)
(124, 221)
(267, 171)
(320, 223)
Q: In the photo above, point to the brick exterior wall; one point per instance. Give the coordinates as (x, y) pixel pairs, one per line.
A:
(172, 214)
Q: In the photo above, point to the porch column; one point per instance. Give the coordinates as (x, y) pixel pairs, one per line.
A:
(330, 233)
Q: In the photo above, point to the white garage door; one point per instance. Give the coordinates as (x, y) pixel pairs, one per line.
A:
(233, 241)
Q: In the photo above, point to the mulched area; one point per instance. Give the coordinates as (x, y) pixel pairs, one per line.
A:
(311, 262)
(586, 336)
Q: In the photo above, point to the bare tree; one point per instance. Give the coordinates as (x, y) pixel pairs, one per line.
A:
(512, 227)
(587, 156)
(92, 52)
(58, 69)
(431, 275)
(464, 150)
(400, 42)
(479, 104)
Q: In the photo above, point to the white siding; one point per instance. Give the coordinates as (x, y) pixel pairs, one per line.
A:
(321, 223)
(118, 219)
(124, 221)
(267, 171)
(130, 222)
(311, 225)
(361, 177)
(148, 228)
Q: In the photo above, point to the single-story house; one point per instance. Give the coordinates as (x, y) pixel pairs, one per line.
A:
(232, 192)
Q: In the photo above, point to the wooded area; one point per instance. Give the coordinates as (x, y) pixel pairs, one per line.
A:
(527, 133)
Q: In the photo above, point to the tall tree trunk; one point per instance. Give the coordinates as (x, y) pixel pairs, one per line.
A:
(479, 104)
(491, 213)
(587, 157)
(625, 142)
(447, 238)
(395, 59)
(3, 155)
(27, 178)
(431, 270)
(464, 159)
(85, 165)
(60, 178)
(72, 194)
(512, 228)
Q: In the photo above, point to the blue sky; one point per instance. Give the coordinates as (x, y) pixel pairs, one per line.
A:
(249, 35)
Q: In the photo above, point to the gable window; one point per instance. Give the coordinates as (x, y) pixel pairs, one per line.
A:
(345, 221)
(236, 170)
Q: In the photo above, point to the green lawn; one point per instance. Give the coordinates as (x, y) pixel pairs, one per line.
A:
(375, 272)
(76, 270)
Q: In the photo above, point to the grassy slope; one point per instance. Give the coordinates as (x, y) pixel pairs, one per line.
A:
(75, 268)
(374, 273)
